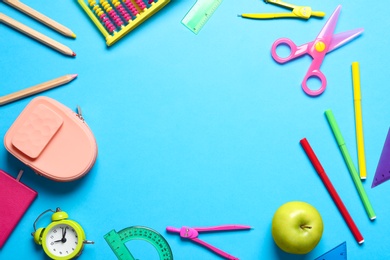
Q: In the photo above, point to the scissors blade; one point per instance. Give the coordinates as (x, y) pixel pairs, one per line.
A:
(340, 39)
(328, 29)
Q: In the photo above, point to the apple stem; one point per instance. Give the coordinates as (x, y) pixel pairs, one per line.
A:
(305, 226)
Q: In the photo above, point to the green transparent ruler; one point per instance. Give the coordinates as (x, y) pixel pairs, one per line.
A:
(337, 253)
(199, 14)
(117, 240)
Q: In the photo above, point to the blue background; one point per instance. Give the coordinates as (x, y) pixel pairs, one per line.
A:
(204, 130)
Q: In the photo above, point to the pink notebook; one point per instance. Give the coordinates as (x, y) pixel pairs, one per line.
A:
(15, 199)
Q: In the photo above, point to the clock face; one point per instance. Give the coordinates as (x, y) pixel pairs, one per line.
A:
(62, 240)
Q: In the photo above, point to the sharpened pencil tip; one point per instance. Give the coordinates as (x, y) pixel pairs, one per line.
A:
(73, 54)
(74, 35)
(74, 75)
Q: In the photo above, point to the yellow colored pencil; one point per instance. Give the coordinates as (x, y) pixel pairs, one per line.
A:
(40, 17)
(358, 120)
(36, 89)
(36, 35)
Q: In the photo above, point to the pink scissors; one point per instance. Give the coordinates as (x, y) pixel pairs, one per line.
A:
(192, 234)
(325, 42)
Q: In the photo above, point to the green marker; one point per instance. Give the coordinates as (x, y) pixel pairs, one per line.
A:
(351, 167)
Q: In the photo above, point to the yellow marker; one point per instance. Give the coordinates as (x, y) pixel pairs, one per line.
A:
(358, 120)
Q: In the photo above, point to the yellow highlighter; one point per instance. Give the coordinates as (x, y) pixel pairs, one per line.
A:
(304, 12)
(357, 98)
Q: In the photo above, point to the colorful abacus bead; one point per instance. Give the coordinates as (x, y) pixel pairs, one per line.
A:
(106, 21)
(122, 10)
(102, 16)
(141, 4)
(131, 7)
(111, 12)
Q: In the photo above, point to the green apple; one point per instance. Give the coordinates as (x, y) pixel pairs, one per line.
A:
(297, 227)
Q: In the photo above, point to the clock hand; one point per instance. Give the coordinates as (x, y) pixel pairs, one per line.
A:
(63, 240)
(64, 234)
(60, 240)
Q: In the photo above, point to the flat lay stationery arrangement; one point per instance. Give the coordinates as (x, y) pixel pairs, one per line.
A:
(191, 130)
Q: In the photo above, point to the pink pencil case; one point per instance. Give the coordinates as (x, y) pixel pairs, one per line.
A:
(53, 140)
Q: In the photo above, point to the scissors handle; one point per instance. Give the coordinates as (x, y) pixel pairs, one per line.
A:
(314, 72)
(295, 51)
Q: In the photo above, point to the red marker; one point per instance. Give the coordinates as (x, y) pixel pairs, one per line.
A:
(333, 193)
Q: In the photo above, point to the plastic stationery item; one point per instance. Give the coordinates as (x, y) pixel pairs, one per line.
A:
(15, 199)
(325, 42)
(350, 165)
(337, 253)
(116, 18)
(304, 12)
(382, 172)
(192, 234)
(53, 140)
(332, 191)
(199, 14)
(117, 240)
(357, 101)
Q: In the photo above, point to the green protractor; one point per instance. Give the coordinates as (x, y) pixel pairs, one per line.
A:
(117, 240)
